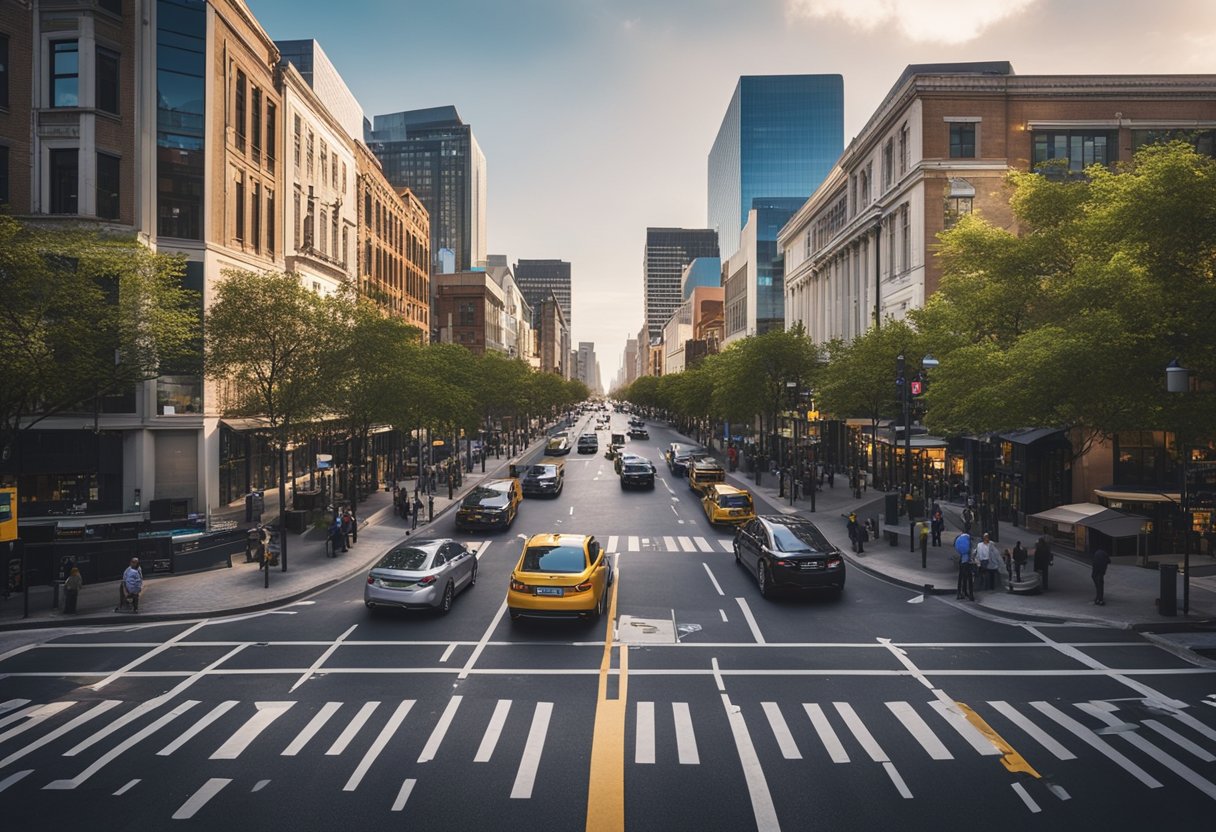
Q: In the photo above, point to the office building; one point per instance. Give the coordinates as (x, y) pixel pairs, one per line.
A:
(690, 323)
(553, 338)
(469, 311)
(754, 276)
(538, 279)
(587, 368)
(518, 336)
(703, 271)
(780, 136)
(323, 79)
(668, 251)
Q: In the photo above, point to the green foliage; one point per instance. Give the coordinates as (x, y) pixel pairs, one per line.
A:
(859, 380)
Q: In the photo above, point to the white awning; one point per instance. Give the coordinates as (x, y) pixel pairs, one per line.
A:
(1069, 514)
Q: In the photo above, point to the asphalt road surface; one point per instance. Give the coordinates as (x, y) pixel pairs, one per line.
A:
(698, 706)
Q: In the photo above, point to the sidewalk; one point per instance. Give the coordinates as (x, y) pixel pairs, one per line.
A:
(220, 592)
(1131, 591)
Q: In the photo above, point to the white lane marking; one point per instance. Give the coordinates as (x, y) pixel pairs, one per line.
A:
(329, 651)
(1026, 798)
(407, 788)
(785, 740)
(728, 546)
(199, 799)
(267, 712)
(900, 785)
(11, 704)
(669, 544)
(19, 715)
(901, 656)
(1102, 711)
(853, 722)
(118, 750)
(634, 546)
(36, 716)
(722, 613)
(757, 786)
(687, 545)
(571, 511)
(612, 542)
(643, 742)
(447, 654)
(1033, 731)
(155, 702)
(920, 730)
(258, 786)
(1194, 724)
(134, 663)
(440, 731)
(827, 734)
(15, 777)
(1095, 742)
(525, 777)
(704, 545)
(97, 710)
(713, 580)
(386, 734)
(482, 548)
(751, 620)
(713, 662)
(310, 730)
(686, 738)
(489, 740)
(1167, 732)
(130, 785)
(957, 720)
(216, 712)
(352, 729)
(481, 645)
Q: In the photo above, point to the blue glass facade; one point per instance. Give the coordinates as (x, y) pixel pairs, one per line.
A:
(703, 271)
(771, 215)
(779, 138)
(181, 69)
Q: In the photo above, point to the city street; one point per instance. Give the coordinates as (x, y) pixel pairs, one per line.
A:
(696, 705)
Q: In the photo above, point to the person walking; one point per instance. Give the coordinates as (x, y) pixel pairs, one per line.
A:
(336, 537)
(1042, 560)
(354, 525)
(966, 577)
(417, 511)
(347, 525)
(989, 561)
(1019, 560)
(855, 533)
(71, 591)
(938, 525)
(968, 519)
(1101, 561)
(133, 584)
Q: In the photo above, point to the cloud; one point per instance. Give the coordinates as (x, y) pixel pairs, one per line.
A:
(928, 21)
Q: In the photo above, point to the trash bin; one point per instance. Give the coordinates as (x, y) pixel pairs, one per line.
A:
(1167, 602)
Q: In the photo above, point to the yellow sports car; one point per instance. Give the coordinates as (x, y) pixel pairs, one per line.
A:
(560, 576)
(727, 504)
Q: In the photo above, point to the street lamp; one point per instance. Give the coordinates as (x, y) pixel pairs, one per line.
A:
(1178, 380)
(909, 389)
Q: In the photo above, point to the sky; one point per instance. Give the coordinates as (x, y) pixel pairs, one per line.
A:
(596, 116)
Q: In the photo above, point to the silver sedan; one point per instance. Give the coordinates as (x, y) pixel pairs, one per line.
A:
(421, 574)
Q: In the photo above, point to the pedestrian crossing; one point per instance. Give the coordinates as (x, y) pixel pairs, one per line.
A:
(1152, 748)
(669, 543)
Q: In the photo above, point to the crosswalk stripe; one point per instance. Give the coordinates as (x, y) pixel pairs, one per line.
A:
(669, 544)
(703, 545)
(407, 788)
(199, 799)
(920, 730)
(1095, 742)
(1167, 732)
(390, 728)
(19, 715)
(686, 739)
(781, 731)
(525, 777)
(633, 544)
(352, 729)
(728, 546)
(97, 710)
(267, 712)
(216, 712)
(310, 730)
(687, 545)
(441, 730)
(1194, 724)
(1033, 731)
(827, 734)
(612, 541)
(763, 809)
(37, 716)
(10, 704)
(643, 744)
(1026, 798)
(958, 721)
(129, 785)
(16, 776)
(862, 734)
(489, 740)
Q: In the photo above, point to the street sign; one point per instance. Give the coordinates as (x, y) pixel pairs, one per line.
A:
(917, 387)
(324, 461)
(1199, 489)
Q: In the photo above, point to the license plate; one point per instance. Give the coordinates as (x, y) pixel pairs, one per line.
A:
(398, 584)
(810, 564)
(550, 590)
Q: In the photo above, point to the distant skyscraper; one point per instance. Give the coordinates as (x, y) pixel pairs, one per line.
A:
(668, 251)
(538, 279)
(435, 154)
(321, 75)
(780, 137)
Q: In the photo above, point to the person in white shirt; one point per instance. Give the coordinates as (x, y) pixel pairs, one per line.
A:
(990, 561)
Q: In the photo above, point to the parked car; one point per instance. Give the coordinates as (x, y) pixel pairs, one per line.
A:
(788, 553)
(727, 504)
(493, 504)
(703, 473)
(588, 443)
(421, 574)
(638, 433)
(546, 479)
(637, 473)
(680, 453)
(560, 576)
(558, 445)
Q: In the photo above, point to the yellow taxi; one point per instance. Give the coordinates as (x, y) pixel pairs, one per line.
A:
(727, 504)
(703, 474)
(560, 576)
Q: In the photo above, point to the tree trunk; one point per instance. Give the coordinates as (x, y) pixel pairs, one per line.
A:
(282, 502)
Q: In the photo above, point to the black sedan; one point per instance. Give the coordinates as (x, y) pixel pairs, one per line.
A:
(788, 553)
(588, 443)
(680, 453)
(544, 480)
(638, 474)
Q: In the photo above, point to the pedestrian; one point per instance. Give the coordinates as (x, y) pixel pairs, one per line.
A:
(938, 525)
(354, 526)
(1042, 559)
(417, 511)
(404, 507)
(1007, 557)
(966, 577)
(989, 561)
(336, 537)
(71, 591)
(854, 532)
(133, 584)
(1019, 560)
(924, 543)
(1101, 561)
(832, 477)
(968, 518)
(733, 456)
(347, 525)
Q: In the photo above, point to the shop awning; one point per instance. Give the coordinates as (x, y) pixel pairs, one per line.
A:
(918, 441)
(254, 423)
(1070, 514)
(1029, 436)
(1115, 523)
(1139, 496)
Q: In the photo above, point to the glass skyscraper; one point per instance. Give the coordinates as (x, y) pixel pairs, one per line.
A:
(668, 251)
(538, 279)
(779, 138)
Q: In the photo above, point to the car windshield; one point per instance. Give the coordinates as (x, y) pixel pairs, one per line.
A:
(568, 559)
(735, 501)
(542, 470)
(408, 558)
(637, 468)
(485, 496)
(799, 538)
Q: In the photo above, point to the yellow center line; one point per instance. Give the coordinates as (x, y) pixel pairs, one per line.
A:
(606, 788)
(1013, 761)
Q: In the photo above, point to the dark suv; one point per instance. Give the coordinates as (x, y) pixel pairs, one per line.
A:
(588, 443)
(788, 553)
(543, 480)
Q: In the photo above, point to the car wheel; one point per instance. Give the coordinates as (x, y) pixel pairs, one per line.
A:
(445, 605)
(473, 576)
(599, 606)
(738, 559)
(762, 582)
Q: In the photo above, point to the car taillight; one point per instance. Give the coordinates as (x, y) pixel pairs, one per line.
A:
(785, 563)
(833, 563)
(583, 587)
(518, 586)
(370, 579)
(429, 579)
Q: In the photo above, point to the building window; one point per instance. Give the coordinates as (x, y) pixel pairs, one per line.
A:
(345, 245)
(238, 231)
(295, 141)
(343, 183)
(962, 140)
(324, 163)
(905, 231)
(324, 222)
(65, 170)
(255, 137)
(1081, 148)
(272, 135)
(863, 187)
(107, 186)
(239, 107)
(181, 68)
(903, 149)
(1204, 141)
(106, 85)
(297, 220)
(894, 267)
(467, 314)
(3, 71)
(888, 164)
(956, 208)
(65, 74)
(255, 215)
(308, 155)
(270, 229)
(333, 250)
